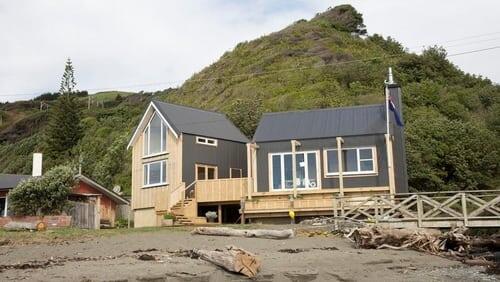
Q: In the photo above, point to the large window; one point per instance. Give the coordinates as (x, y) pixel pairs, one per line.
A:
(354, 161)
(155, 173)
(306, 170)
(155, 137)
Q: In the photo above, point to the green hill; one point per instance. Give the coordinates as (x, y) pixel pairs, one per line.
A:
(452, 118)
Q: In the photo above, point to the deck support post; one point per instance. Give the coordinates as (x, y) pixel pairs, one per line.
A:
(420, 211)
(242, 210)
(464, 209)
(341, 169)
(219, 213)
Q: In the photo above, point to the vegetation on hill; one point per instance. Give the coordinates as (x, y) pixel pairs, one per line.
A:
(452, 118)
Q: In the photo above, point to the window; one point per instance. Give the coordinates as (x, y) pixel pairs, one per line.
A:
(306, 170)
(206, 141)
(155, 136)
(235, 173)
(205, 172)
(354, 161)
(155, 173)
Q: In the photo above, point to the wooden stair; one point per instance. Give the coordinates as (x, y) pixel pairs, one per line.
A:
(185, 212)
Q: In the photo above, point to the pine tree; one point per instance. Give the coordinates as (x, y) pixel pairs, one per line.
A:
(64, 129)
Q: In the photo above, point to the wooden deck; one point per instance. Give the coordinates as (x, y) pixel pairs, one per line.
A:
(221, 190)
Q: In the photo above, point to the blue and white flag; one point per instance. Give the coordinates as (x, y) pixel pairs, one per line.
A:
(393, 109)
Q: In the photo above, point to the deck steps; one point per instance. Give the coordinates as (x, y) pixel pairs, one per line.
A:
(185, 212)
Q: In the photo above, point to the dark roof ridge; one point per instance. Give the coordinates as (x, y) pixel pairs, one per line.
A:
(324, 109)
(188, 107)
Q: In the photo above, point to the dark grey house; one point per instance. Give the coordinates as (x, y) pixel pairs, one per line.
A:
(316, 137)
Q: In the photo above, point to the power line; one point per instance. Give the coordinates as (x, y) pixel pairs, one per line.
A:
(267, 72)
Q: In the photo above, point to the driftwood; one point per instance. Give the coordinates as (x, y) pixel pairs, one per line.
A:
(20, 226)
(233, 259)
(258, 233)
(426, 240)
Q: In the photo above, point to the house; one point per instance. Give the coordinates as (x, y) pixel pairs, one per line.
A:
(200, 162)
(8, 182)
(174, 147)
(107, 203)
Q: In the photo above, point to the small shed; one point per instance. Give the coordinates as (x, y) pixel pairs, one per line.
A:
(109, 205)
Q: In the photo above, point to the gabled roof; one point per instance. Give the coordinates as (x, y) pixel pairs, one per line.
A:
(182, 119)
(322, 123)
(112, 195)
(9, 181)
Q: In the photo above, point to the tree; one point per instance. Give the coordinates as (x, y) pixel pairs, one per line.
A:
(68, 79)
(245, 114)
(64, 129)
(44, 195)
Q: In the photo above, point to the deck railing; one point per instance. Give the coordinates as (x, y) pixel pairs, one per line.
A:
(220, 190)
(426, 209)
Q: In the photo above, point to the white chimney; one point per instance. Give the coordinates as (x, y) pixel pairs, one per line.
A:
(37, 164)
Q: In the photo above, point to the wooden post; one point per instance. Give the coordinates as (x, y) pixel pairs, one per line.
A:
(249, 171)
(341, 169)
(420, 211)
(335, 214)
(294, 170)
(254, 166)
(464, 209)
(219, 213)
(242, 208)
(390, 164)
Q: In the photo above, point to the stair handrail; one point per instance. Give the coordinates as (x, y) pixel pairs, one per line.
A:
(175, 190)
(189, 186)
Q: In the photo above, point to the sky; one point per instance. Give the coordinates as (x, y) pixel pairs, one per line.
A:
(152, 45)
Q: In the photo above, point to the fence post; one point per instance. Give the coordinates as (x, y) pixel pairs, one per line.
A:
(335, 213)
(464, 210)
(376, 210)
(420, 211)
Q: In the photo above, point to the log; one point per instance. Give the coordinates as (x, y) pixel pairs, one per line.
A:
(233, 259)
(257, 233)
(20, 226)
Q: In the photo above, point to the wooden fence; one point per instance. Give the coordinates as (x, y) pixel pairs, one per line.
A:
(431, 209)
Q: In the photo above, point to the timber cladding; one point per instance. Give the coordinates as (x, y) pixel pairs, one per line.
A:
(224, 156)
(155, 197)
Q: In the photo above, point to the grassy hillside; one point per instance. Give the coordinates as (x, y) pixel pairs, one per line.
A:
(452, 118)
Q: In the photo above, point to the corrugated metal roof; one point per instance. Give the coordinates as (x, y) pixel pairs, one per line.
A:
(322, 123)
(111, 194)
(200, 122)
(9, 181)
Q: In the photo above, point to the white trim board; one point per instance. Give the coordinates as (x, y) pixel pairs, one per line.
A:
(140, 126)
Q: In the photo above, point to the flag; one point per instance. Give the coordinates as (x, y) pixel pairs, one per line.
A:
(393, 109)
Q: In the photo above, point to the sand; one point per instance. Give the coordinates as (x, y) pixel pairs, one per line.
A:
(299, 259)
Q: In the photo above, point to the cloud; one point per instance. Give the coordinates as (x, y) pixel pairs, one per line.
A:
(122, 43)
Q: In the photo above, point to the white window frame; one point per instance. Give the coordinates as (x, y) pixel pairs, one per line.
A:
(205, 141)
(235, 168)
(163, 169)
(358, 159)
(282, 167)
(163, 143)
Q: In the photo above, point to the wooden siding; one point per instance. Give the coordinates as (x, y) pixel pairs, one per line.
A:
(221, 190)
(156, 197)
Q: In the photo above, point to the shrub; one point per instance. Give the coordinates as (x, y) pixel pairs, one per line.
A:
(168, 216)
(121, 223)
(43, 195)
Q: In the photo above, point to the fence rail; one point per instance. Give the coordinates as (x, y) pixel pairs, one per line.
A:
(427, 209)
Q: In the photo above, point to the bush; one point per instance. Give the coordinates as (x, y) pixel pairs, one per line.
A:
(44, 195)
(121, 223)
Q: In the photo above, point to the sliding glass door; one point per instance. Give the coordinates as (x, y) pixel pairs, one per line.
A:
(306, 170)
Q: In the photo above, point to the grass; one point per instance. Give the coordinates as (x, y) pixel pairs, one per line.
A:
(108, 95)
(70, 234)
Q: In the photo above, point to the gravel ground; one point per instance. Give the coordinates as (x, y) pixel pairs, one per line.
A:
(302, 258)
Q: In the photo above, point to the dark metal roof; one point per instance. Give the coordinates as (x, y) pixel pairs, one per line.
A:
(9, 181)
(322, 123)
(199, 122)
(112, 195)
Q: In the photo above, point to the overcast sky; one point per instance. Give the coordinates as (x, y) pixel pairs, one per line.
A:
(152, 45)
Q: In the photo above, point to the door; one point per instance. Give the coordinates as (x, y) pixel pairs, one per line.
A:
(205, 172)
